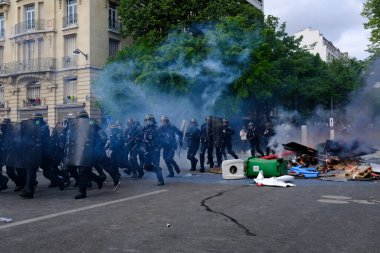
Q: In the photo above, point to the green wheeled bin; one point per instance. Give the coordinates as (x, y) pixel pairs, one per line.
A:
(270, 168)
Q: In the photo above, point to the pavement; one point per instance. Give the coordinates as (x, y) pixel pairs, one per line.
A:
(194, 212)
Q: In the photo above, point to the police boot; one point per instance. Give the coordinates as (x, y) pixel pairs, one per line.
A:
(202, 162)
(100, 182)
(80, 196)
(27, 195)
(176, 168)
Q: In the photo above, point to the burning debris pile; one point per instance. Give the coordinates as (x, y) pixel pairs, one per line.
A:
(336, 161)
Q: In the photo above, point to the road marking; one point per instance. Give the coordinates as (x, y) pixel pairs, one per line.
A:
(332, 199)
(49, 216)
(335, 197)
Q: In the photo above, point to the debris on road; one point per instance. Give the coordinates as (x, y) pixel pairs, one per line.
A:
(273, 181)
(6, 220)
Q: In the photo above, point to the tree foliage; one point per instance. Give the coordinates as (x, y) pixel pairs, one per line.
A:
(371, 11)
(189, 48)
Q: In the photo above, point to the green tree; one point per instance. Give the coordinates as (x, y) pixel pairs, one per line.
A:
(151, 21)
(371, 11)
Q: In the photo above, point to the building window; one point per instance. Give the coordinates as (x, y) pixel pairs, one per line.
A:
(70, 18)
(33, 94)
(30, 16)
(70, 60)
(112, 17)
(28, 52)
(70, 90)
(1, 55)
(2, 26)
(41, 51)
(113, 47)
(2, 102)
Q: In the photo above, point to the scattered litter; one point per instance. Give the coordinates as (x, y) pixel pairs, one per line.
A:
(273, 181)
(187, 175)
(233, 169)
(7, 220)
(375, 167)
(303, 172)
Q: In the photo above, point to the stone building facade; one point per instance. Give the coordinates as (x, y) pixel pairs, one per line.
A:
(50, 51)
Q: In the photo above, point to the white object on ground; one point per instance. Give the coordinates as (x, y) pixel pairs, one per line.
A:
(233, 169)
(375, 167)
(273, 181)
(7, 220)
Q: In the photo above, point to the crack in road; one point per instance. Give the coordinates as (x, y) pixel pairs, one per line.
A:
(203, 203)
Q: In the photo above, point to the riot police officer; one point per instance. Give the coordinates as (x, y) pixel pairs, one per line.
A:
(3, 153)
(129, 140)
(268, 133)
(35, 136)
(206, 144)
(168, 133)
(152, 136)
(227, 133)
(254, 139)
(116, 144)
(80, 137)
(193, 138)
(11, 134)
(135, 145)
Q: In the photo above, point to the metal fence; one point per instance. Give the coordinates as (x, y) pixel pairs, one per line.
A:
(30, 26)
(70, 20)
(33, 65)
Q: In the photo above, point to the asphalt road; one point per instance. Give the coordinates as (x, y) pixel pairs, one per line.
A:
(195, 213)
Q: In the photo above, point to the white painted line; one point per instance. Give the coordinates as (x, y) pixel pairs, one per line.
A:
(45, 217)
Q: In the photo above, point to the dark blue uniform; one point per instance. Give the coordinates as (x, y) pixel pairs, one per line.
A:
(169, 145)
(152, 137)
(207, 144)
(193, 139)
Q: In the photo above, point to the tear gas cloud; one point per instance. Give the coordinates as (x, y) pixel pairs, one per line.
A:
(358, 124)
(122, 95)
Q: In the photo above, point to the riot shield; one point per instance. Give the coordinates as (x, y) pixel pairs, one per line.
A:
(31, 143)
(217, 127)
(5, 138)
(79, 142)
(14, 158)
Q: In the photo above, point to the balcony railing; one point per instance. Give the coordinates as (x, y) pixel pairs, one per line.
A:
(70, 61)
(32, 102)
(69, 20)
(33, 65)
(2, 105)
(2, 2)
(114, 25)
(31, 26)
(70, 99)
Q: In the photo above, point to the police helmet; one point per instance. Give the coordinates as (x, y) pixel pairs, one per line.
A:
(130, 121)
(164, 119)
(194, 122)
(83, 114)
(36, 115)
(250, 124)
(226, 122)
(150, 120)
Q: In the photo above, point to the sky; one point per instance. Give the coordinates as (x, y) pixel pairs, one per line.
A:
(338, 20)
